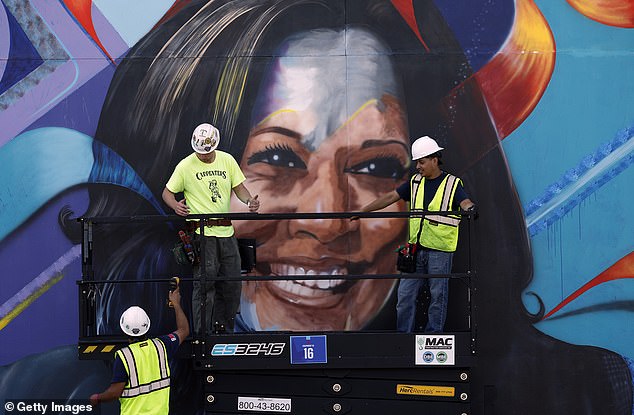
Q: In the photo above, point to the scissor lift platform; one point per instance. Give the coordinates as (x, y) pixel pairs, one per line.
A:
(304, 373)
(331, 373)
(356, 373)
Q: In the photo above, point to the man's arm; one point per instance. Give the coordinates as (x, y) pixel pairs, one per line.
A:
(179, 207)
(382, 202)
(113, 392)
(244, 195)
(182, 324)
(466, 204)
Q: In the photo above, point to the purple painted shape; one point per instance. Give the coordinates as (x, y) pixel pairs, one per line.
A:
(86, 61)
(68, 32)
(5, 40)
(31, 106)
(22, 57)
(109, 37)
(52, 319)
(81, 109)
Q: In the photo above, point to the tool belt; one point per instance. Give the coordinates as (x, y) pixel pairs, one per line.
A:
(192, 225)
(187, 250)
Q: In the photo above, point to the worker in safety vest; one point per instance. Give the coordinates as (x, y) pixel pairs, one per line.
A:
(141, 371)
(434, 238)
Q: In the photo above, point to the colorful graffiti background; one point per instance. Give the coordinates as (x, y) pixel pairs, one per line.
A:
(554, 75)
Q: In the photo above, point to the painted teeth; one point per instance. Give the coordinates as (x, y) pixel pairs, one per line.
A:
(306, 287)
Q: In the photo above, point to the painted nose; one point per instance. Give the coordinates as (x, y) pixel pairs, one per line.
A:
(325, 191)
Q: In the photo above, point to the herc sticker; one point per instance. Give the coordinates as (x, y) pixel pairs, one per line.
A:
(426, 390)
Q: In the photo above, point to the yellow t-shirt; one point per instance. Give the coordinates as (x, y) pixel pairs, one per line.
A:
(207, 186)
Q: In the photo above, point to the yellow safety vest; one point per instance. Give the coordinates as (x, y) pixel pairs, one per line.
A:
(147, 391)
(439, 232)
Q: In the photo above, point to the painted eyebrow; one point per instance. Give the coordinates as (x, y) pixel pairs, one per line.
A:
(377, 143)
(279, 130)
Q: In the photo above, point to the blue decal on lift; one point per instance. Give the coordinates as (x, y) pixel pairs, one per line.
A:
(308, 349)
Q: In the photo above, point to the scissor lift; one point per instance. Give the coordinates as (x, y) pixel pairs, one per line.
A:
(361, 372)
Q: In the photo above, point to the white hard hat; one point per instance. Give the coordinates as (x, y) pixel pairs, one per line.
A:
(134, 321)
(424, 147)
(205, 138)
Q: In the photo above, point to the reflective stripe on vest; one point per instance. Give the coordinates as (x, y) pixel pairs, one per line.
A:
(439, 232)
(445, 205)
(143, 389)
(147, 389)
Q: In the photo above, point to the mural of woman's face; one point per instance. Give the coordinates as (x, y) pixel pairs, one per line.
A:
(329, 135)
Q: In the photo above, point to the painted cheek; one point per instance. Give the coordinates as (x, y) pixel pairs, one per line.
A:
(261, 230)
(380, 236)
(274, 196)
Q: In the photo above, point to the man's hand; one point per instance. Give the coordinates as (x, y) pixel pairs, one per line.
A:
(471, 210)
(181, 208)
(253, 204)
(175, 296)
(113, 392)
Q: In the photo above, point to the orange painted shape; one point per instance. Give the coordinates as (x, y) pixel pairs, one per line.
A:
(619, 13)
(624, 268)
(82, 11)
(515, 79)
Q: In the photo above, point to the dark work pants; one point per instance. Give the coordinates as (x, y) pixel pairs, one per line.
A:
(222, 260)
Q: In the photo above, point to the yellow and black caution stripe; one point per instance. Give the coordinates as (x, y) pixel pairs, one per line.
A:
(85, 349)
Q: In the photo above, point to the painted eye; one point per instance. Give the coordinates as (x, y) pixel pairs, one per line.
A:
(383, 167)
(278, 156)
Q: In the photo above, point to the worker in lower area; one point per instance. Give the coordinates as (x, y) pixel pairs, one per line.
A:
(141, 371)
(434, 238)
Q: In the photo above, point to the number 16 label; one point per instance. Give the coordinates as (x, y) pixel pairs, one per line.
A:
(308, 349)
